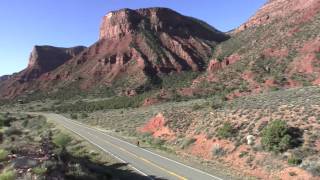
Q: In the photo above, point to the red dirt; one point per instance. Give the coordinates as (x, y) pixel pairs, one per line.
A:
(249, 77)
(157, 126)
(317, 81)
(203, 148)
(215, 65)
(291, 84)
(235, 94)
(269, 83)
(151, 101)
(300, 174)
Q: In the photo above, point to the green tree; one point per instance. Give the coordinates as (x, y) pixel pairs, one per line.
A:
(276, 136)
(62, 140)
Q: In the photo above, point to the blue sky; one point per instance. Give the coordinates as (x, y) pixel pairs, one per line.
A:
(66, 23)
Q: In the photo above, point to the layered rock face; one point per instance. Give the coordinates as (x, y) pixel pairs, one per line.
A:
(44, 59)
(134, 47)
(117, 24)
(152, 41)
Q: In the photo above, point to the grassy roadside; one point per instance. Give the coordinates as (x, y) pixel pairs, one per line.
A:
(32, 147)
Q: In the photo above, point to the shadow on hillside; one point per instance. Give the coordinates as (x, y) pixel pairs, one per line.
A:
(82, 168)
(297, 136)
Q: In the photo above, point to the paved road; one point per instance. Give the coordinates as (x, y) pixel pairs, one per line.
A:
(147, 163)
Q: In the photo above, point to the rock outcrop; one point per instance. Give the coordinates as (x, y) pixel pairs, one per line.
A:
(44, 59)
(302, 10)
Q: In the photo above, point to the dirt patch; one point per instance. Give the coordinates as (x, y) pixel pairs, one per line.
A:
(157, 126)
(290, 173)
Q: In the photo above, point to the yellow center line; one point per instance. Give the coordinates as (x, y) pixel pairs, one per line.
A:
(145, 160)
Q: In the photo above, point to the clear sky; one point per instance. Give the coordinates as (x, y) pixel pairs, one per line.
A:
(66, 23)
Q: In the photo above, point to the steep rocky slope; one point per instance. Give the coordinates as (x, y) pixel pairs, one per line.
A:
(42, 61)
(134, 47)
(279, 47)
(157, 48)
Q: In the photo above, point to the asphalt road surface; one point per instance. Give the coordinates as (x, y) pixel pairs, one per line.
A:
(146, 163)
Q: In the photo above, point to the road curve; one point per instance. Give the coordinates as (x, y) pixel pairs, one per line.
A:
(148, 164)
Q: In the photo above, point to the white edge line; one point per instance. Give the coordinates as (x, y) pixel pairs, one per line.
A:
(75, 122)
(123, 161)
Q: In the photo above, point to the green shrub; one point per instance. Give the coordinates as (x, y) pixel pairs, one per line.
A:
(12, 131)
(187, 142)
(74, 116)
(1, 120)
(243, 154)
(218, 151)
(318, 55)
(8, 175)
(178, 80)
(226, 131)
(25, 123)
(276, 137)
(39, 170)
(62, 140)
(3, 155)
(158, 142)
(294, 160)
(311, 165)
(84, 115)
(5, 120)
(217, 102)
(196, 107)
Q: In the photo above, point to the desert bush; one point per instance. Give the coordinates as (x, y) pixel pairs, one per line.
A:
(3, 155)
(318, 55)
(84, 115)
(294, 160)
(12, 131)
(25, 123)
(74, 116)
(243, 154)
(187, 142)
(196, 107)
(217, 102)
(76, 170)
(5, 120)
(35, 123)
(276, 136)
(217, 150)
(226, 131)
(178, 80)
(1, 137)
(8, 175)
(158, 142)
(39, 170)
(312, 165)
(62, 140)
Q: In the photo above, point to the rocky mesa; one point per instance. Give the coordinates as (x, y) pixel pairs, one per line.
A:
(135, 45)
